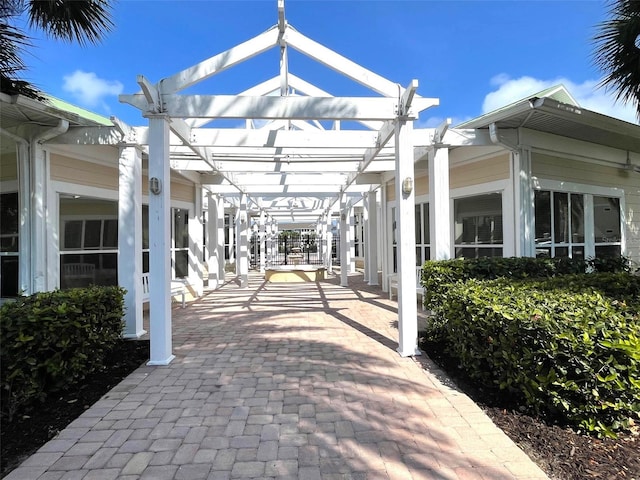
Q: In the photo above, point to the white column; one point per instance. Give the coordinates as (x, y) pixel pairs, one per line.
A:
(130, 238)
(233, 220)
(345, 259)
(25, 276)
(213, 254)
(38, 249)
(405, 216)
(524, 198)
(196, 244)
(372, 237)
(329, 240)
(364, 251)
(242, 243)
(274, 251)
(267, 243)
(320, 235)
(439, 220)
(385, 247)
(350, 237)
(159, 242)
(212, 241)
(262, 231)
(219, 246)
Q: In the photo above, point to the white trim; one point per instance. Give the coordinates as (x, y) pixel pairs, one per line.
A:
(497, 186)
(67, 188)
(572, 187)
(9, 186)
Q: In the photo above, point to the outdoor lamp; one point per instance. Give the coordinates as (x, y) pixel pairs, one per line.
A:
(155, 186)
(407, 185)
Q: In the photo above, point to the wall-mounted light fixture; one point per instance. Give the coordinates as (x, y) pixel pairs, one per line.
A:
(343, 217)
(407, 185)
(155, 186)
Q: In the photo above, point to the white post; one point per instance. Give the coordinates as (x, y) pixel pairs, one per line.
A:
(242, 250)
(350, 237)
(320, 235)
(263, 242)
(212, 241)
(274, 251)
(219, 245)
(130, 238)
(524, 199)
(372, 238)
(405, 201)
(196, 244)
(439, 221)
(24, 201)
(38, 250)
(159, 242)
(329, 240)
(344, 242)
(233, 220)
(364, 241)
(385, 247)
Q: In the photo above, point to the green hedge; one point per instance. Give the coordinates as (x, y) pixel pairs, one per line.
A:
(54, 339)
(568, 345)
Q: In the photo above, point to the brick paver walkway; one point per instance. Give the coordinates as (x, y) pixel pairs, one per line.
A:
(283, 381)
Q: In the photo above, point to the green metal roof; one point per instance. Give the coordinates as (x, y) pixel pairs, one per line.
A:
(79, 111)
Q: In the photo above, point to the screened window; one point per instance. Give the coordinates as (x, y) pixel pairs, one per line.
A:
(478, 226)
(560, 225)
(180, 250)
(607, 227)
(358, 235)
(88, 242)
(9, 246)
(423, 242)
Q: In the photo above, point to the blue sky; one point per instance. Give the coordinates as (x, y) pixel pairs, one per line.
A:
(474, 56)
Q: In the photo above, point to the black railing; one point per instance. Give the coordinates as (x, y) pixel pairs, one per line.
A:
(293, 251)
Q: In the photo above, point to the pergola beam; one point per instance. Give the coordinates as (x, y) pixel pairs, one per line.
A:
(340, 64)
(221, 62)
(294, 108)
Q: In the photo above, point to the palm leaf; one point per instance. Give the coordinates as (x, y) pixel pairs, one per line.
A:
(617, 53)
(72, 20)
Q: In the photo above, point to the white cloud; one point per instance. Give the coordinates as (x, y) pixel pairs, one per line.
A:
(432, 122)
(587, 94)
(89, 89)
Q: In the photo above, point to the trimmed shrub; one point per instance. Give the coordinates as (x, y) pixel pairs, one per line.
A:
(574, 355)
(565, 345)
(53, 339)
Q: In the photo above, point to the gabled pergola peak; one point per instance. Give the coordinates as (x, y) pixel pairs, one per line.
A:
(290, 113)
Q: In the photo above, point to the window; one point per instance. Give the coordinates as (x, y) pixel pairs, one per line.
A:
(180, 250)
(607, 228)
(179, 245)
(89, 242)
(561, 225)
(9, 246)
(423, 242)
(478, 226)
(358, 235)
(228, 224)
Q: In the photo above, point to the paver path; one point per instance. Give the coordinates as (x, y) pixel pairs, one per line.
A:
(283, 381)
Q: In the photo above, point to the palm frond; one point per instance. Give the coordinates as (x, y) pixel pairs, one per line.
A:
(83, 21)
(617, 54)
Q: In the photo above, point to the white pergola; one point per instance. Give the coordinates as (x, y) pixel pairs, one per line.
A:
(291, 161)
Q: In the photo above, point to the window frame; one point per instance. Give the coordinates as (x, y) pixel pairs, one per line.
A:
(588, 192)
